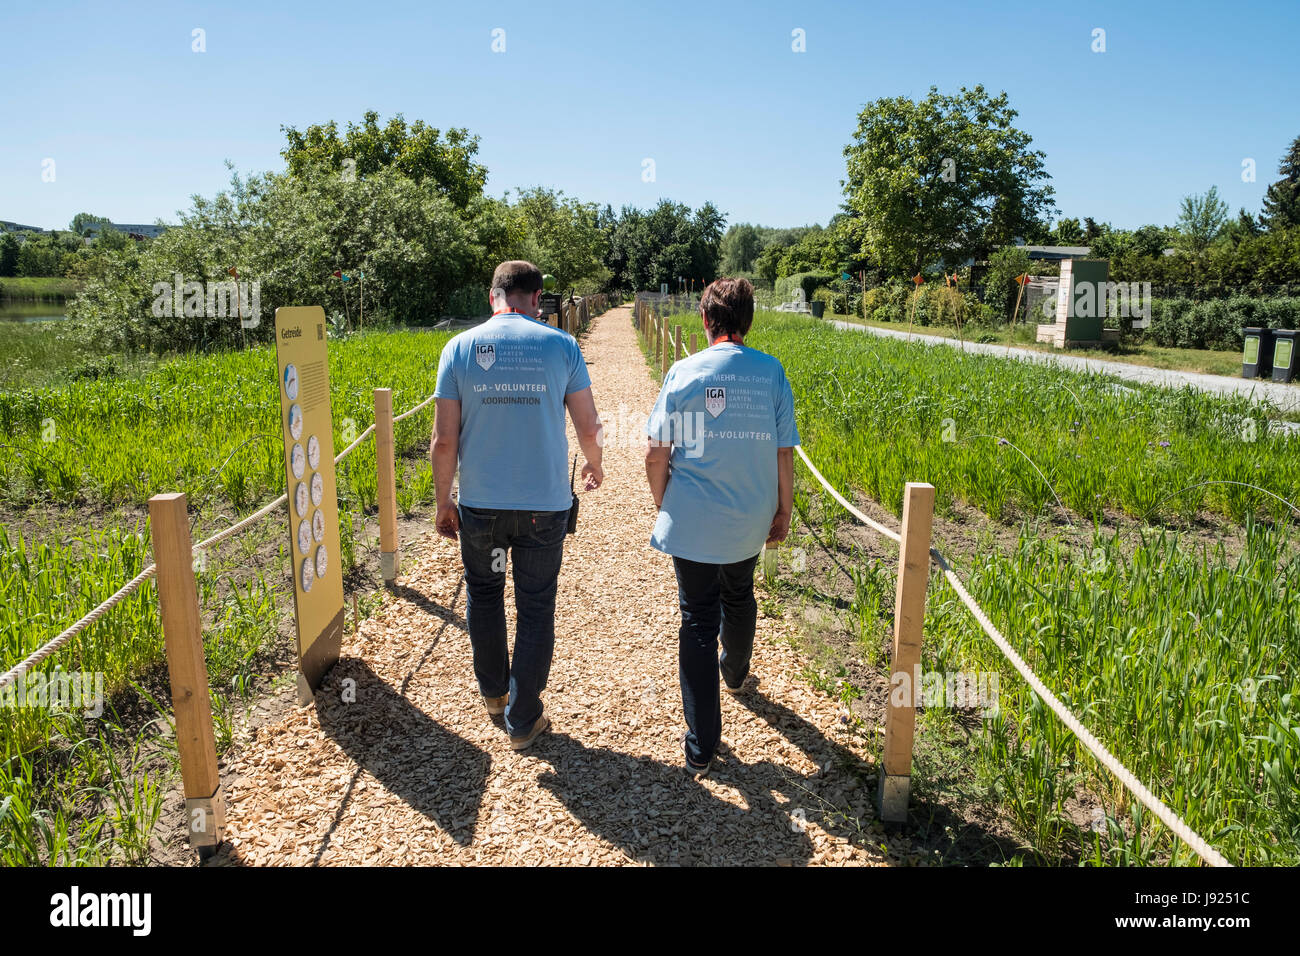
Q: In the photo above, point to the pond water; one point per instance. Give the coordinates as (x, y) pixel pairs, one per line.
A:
(31, 311)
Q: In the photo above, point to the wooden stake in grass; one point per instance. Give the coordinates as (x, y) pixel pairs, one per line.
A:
(1021, 281)
(895, 779)
(694, 343)
(386, 478)
(918, 280)
(178, 604)
(677, 344)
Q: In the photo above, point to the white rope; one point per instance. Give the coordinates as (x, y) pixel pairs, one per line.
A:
(412, 411)
(49, 647)
(11, 675)
(1097, 748)
(887, 532)
(360, 438)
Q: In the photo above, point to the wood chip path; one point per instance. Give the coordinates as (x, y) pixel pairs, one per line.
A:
(414, 771)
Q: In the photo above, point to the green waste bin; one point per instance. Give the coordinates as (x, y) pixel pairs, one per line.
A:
(1257, 353)
(818, 309)
(1284, 355)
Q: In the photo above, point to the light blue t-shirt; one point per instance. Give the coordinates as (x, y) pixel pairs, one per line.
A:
(511, 375)
(726, 410)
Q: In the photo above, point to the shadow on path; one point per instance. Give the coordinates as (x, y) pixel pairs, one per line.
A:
(413, 756)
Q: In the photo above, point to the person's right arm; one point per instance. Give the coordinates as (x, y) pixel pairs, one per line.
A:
(444, 451)
(586, 422)
(657, 458)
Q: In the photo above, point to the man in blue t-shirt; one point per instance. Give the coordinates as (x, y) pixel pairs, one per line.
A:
(502, 390)
(720, 462)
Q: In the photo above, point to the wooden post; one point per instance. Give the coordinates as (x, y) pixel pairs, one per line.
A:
(677, 344)
(664, 363)
(386, 490)
(178, 603)
(694, 347)
(895, 778)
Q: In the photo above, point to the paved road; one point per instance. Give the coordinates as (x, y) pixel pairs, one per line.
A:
(1285, 397)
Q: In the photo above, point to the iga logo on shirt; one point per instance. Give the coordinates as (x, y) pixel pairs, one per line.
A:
(486, 355)
(715, 400)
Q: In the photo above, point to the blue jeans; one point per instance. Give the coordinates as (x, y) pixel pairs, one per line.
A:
(717, 600)
(535, 542)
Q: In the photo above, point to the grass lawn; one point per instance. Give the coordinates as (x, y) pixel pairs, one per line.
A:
(39, 288)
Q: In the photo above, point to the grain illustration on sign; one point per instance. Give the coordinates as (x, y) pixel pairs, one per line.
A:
(308, 427)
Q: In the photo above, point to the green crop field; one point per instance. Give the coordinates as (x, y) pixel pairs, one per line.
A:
(79, 460)
(1178, 652)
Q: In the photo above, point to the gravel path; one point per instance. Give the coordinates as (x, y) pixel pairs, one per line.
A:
(1285, 397)
(413, 771)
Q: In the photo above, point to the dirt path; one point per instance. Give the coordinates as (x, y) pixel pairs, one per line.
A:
(414, 771)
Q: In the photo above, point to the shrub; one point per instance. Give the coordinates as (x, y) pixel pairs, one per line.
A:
(1217, 323)
(1000, 282)
(808, 281)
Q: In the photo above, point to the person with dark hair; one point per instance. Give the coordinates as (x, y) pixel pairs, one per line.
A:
(501, 396)
(720, 463)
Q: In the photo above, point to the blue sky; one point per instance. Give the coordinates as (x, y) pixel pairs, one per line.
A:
(137, 122)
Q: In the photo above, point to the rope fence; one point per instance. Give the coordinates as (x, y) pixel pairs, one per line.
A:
(50, 647)
(1108, 760)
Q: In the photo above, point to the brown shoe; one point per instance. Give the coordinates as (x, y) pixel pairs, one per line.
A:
(496, 706)
(541, 726)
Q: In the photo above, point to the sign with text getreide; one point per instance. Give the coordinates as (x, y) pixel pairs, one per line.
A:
(308, 427)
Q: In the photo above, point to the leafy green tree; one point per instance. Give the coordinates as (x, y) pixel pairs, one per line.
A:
(1282, 200)
(8, 255)
(417, 151)
(110, 238)
(1200, 219)
(561, 235)
(1069, 232)
(740, 248)
(941, 179)
(1000, 281)
(665, 244)
(289, 234)
(83, 222)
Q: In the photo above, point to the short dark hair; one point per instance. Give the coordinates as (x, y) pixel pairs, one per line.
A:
(516, 276)
(728, 306)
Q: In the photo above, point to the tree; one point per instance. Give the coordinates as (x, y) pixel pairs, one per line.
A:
(8, 255)
(84, 222)
(1000, 284)
(1282, 200)
(740, 248)
(1245, 226)
(665, 244)
(561, 235)
(1200, 220)
(945, 178)
(1069, 232)
(417, 151)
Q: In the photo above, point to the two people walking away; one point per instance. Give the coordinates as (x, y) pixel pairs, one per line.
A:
(501, 395)
(720, 463)
(719, 460)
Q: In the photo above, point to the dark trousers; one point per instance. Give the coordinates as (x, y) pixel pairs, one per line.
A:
(534, 542)
(716, 600)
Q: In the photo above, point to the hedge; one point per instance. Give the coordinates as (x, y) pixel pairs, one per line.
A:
(1217, 323)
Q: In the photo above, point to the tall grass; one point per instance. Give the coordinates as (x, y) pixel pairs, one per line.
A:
(74, 788)
(1013, 438)
(1182, 658)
